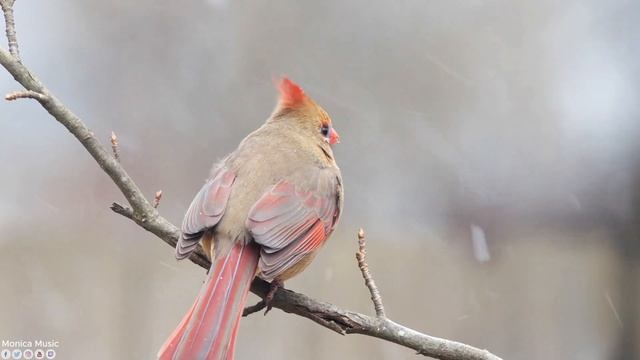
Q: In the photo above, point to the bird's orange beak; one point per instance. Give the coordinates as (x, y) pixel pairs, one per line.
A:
(334, 137)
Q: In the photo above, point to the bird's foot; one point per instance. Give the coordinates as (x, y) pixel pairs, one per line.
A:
(275, 285)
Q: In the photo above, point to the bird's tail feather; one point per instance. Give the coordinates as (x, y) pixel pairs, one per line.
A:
(209, 329)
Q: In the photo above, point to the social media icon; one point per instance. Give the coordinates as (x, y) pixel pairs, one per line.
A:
(6, 354)
(17, 354)
(39, 354)
(51, 354)
(27, 354)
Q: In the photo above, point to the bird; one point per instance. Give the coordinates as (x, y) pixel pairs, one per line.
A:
(265, 211)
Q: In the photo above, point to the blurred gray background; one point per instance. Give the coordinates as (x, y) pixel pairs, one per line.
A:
(489, 149)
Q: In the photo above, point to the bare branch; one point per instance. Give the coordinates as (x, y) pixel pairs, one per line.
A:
(10, 27)
(146, 216)
(349, 322)
(143, 211)
(114, 146)
(25, 94)
(368, 279)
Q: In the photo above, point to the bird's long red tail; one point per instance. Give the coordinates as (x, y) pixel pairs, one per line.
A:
(209, 328)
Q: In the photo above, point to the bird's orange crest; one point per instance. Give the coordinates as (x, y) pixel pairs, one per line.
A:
(291, 94)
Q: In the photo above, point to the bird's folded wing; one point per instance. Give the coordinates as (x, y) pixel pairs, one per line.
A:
(205, 211)
(291, 221)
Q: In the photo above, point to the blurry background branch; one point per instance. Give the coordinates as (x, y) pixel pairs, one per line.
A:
(145, 214)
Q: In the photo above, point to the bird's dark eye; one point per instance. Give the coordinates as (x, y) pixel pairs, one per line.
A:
(324, 130)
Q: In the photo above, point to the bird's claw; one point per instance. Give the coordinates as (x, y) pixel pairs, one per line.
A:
(275, 284)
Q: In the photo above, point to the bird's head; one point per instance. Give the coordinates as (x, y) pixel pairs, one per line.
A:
(294, 105)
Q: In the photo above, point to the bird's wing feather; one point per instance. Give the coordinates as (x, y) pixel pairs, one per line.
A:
(205, 211)
(291, 221)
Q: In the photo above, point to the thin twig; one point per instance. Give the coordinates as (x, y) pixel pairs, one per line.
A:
(25, 94)
(368, 279)
(122, 210)
(157, 198)
(143, 213)
(115, 146)
(254, 308)
(10, 27)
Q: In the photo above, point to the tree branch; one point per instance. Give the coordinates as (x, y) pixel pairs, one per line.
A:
(349, 322)
(145, 215)
(10, 27)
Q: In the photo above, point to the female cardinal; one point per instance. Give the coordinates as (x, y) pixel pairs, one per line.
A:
(265, 211)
